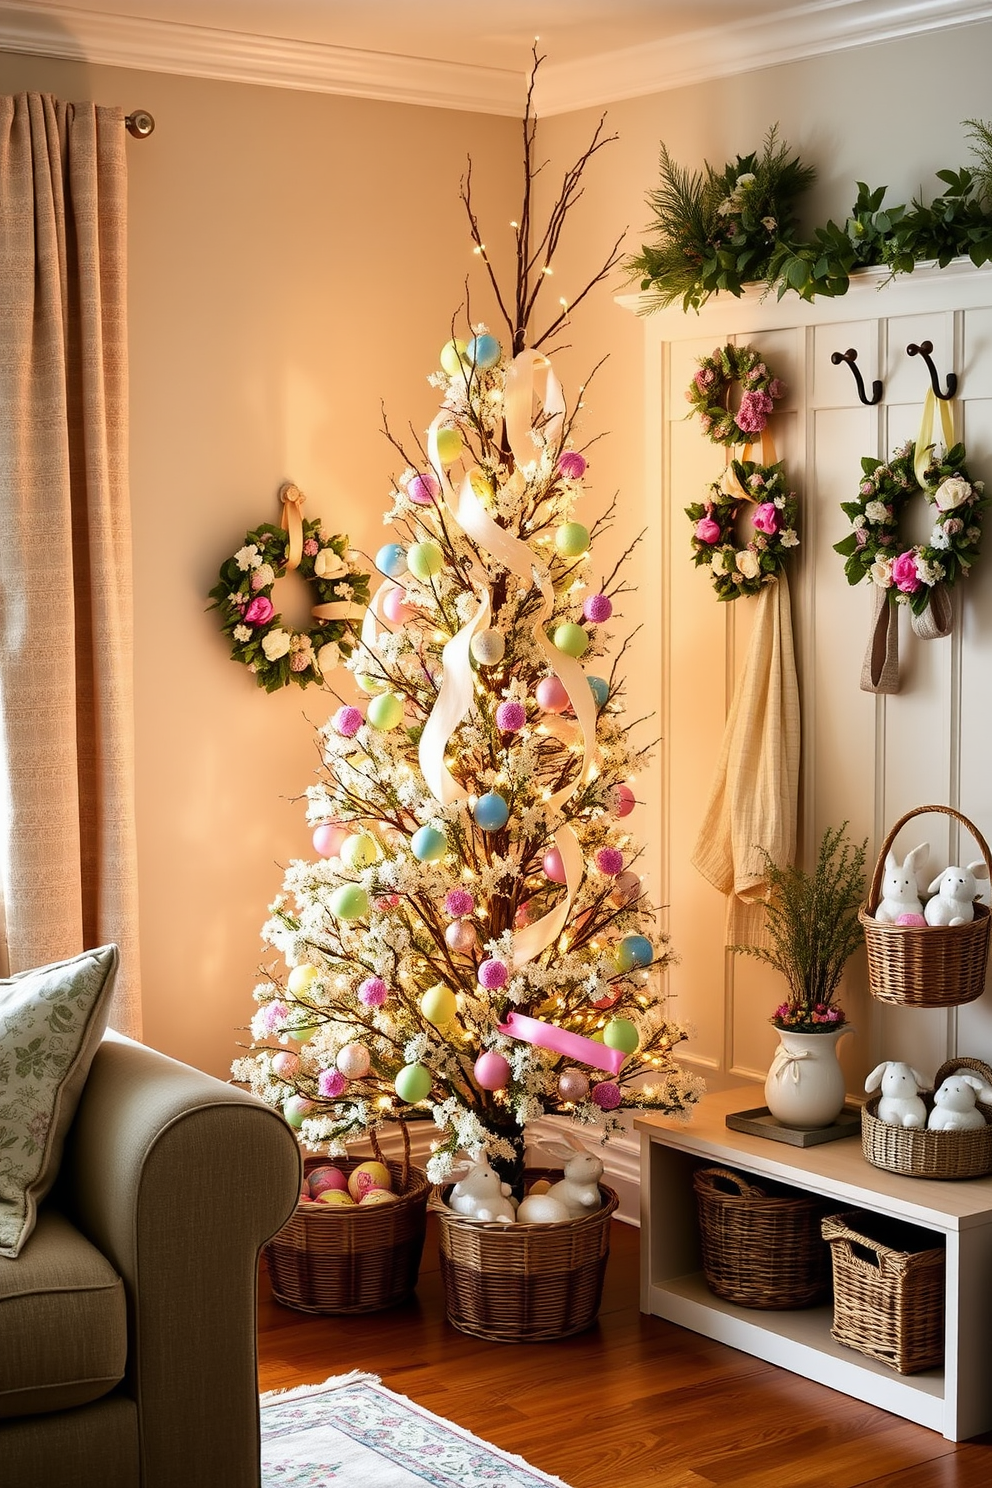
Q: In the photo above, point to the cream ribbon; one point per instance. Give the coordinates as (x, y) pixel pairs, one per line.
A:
(292, 499)
(730, 485)
(786, 1062)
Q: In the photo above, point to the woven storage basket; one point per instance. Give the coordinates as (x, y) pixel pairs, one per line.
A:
(523, 1283)
(888, 1290)
(929, 1154)
(343, 1260)
(925, 966)
(762, 1245)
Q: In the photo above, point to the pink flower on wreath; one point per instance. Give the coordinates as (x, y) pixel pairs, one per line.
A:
(707, 531)
(861, 537)
(776, 388)
(311, 547)
(904, 573)
(752, 416)
(259, 612)
(704, 378)
(765, 519)
(299, 661)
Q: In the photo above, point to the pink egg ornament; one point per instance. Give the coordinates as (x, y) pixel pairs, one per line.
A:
(395, 607)
(551, 695)
(623, 800)
(492, 1071)
(553, 866)
(327, 839)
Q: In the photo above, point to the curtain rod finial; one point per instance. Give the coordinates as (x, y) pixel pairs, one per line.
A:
(140, 123)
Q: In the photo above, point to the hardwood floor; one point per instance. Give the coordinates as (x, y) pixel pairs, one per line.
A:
(634, 1403)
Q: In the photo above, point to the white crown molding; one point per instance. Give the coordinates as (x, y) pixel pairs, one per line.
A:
(744, 46)
(53, 30)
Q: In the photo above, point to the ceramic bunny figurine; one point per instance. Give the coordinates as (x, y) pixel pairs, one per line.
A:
(479, 1193)
(900, 1104)
(954, 1103)
(900, 890)
(955, 891)
(578, 1190)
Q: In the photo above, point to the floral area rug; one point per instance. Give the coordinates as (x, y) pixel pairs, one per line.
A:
(352, 1431)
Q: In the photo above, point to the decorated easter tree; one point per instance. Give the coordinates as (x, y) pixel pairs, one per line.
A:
(472, 942)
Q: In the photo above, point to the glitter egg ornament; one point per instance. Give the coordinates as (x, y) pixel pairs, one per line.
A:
(413, 1083)
(301, 978)
(428, 844)
(424, 489)
(597, 608)
(572, 539)
(551, 695)
(600, 689)
(488, 647)
(572, 465)
(438, 1005)
(452, 357)
(331, 1084)
(458, 902)
(359, 851)
(285, 1064)
(391, 560)
(634, 951)
(461, 937)
(511, 717)
(626, 889)
(492, 1071)
(621, 1034)
(424, 560)
(622, 800)
(571, 639)
(353, 1061)
(395, 607)
(483, 352)
(609, 860)
(347, 721)
(553, 866)
(349, 902)
(386, 711)
(493, 974)
(449, 445)
(491, 812)
(373, 992)
(606, 1095)
(573, 1085)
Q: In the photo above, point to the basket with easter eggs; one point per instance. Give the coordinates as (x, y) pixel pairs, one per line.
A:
(355, 1240)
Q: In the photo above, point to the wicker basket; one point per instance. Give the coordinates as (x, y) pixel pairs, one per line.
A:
(523, 1283)
(888, 1290)
(919, 1153)
(762, 1246)
(344, 1260)
(933, 966)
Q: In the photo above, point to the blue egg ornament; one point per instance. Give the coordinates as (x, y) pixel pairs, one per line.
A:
(633, 951)
(600, 689)
(428, 844)
(391, 560)
(491, 812)
(483, 352)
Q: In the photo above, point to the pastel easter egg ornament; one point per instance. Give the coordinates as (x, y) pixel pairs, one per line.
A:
(301, 979)
(571, 639)
(438, 1005)
(424, 560)
(428, 844)
(483, 352)
(621, 1034)
(622, 800)
(395, 607)
(461, 937)
(349, 902)
(359, 850)
(296, 1108)
(491, 812)
(423, 489)
(553, 866)
(285, 1064)
(328, 837)
(572, 540)
(634, 951)
(492, 1071)
(453, 358)
(366, 1176)
(488, 647)
(573, 1085)
(386, 711)
(551, 695)
(449, 445)
(354, 1061)
(413, 1083)
(600, 689)
(391, 560)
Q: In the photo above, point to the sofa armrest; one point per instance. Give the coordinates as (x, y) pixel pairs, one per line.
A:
(179, 1180)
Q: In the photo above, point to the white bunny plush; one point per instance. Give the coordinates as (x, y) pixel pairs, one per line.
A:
(480, 1193)
(578, 1190)
(900, 890)
(955, 892)
(954, 1103)
(900, 1104)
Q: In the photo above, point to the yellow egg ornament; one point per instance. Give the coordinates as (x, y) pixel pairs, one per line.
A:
(438, 1005)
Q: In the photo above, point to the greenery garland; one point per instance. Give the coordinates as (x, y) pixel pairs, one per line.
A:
(274, 653)
(745, 569)
(709, 394)
(874, 550)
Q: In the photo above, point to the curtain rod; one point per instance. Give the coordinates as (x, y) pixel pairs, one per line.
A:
(139, 124)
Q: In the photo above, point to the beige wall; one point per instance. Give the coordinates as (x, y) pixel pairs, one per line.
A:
(295, 262)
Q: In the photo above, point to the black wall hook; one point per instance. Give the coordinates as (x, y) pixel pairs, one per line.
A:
(924, 349)
(850, 357)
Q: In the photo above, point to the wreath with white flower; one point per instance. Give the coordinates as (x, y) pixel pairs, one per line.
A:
(912, 571)
(709, 392)
(761, 491)
(272, 651)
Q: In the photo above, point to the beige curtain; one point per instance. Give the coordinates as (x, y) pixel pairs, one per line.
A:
(66, 733)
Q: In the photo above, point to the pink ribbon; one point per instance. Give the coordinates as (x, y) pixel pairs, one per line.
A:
(560, 1041)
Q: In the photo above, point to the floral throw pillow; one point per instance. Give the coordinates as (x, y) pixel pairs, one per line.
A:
(51, 1022)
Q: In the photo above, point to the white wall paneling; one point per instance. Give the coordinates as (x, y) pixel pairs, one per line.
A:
(866, 759)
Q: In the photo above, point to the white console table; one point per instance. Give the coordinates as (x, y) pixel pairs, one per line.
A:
(956, 1400)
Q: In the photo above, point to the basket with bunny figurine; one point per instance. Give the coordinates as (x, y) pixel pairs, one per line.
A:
(932, 954)
(945, 1132)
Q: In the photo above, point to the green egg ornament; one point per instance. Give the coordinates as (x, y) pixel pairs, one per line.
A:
(572, 539)
(349, 902)
(453, 357)
(621, 1034)
(371, 685)
(424, 560)
(413, 1083)
(359, 851)
(571, 639)
(449, 446)
(438, 1005)
(296, 1108)
(385, 712)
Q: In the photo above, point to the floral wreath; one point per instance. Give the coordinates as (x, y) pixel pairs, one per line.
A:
(773, 509)
(873, 549)
(709, 394)
(275, 654)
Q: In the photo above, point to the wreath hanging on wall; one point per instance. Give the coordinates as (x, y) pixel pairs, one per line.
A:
(273, 652)
(710, 391)
(761, 491)
(912, 573)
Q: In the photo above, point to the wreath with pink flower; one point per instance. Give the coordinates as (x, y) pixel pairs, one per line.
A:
(710, 393)
(761, 493)
(274, 652)
(874, 549)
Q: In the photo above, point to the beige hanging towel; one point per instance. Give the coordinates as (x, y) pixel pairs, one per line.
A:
(754, 796)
